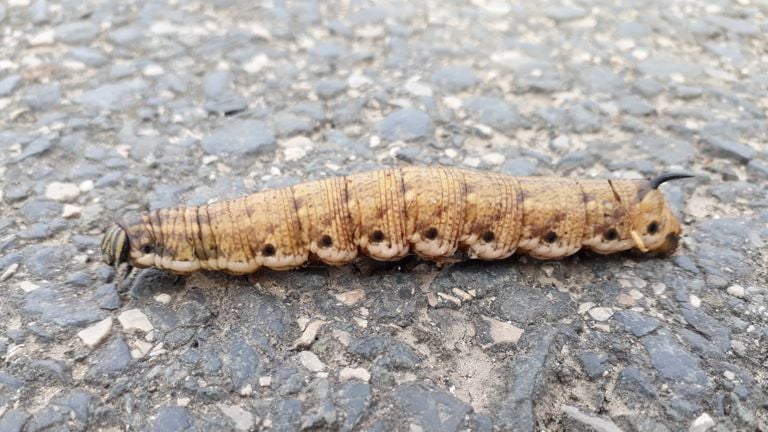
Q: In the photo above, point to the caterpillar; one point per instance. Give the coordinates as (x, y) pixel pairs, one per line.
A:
(436, 213)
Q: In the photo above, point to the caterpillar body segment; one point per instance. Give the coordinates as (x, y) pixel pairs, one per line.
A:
(433, 212)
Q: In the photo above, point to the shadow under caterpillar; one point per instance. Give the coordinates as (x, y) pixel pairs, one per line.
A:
(433, 212)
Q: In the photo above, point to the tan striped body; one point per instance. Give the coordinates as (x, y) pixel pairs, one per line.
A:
(386, 214)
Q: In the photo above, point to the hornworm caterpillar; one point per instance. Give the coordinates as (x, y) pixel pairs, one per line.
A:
(433, 212)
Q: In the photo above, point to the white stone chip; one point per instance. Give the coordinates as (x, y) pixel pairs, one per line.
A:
(702, 423)
(601, 313)
(28, 286)
(95, 334)
(134, 319)
(695, 300)
(349, 373)
(593, 422)
(86, 186)
(736, 291)
(352, 297)
(265, 381)
(163, 298)
(62, 192)
(242, 419)
(584, 307)
(502, 332)
(9, 272)
(307, 338)
(310, 361)
(71, 211)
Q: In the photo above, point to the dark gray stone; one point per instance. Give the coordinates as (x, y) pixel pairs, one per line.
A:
(577, 159)
(353, 400)
(106, 296)
(90, 56)
(721, 147)
(635, 322)
(77, 402)
(110, 360)
(124, 36)
(386, 352)
(13, 420)
(76, 32)
(9, 84)
(40, 231)
(406, 124)
(40, 211)
(172, 419)
(10, 381)
(635, 105)
(44, 419)
(662, 66)
(240, 138)
(584, 120)
(50, 370)
(494, 112)
(455, 78)
(36, 147)
(244, 363)
(79, 279)
(288, 123)
(394, 299)
(523, 305)
(669, 151)
(520, 167)
(330, 88)
(61, 307)
(42, 97)
(286, 414)
(229, 104)
(38, 12)
(430, 408)
(635, 381)
(113, 96)
(757, 169)
(600, 79)
(721, 265)
(515, 412)
(734, 25)
(709, 326)
(648, 87)
(672, 361)
(593, 363)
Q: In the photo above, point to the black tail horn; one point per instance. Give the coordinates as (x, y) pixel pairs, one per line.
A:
(655, 182)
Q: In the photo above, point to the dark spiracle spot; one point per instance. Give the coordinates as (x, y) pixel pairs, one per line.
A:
(611, 234)
(653, 227)
(147, 249)
(377, 236)
(268, 250)
(431, 233)
(489, 236)
(550, 237)
(326, 241)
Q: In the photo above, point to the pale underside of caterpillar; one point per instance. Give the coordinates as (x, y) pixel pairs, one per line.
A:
(437, 213)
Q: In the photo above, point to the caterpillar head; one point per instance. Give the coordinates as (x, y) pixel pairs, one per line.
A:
(653, 226)
(115, 247)
(128, 242)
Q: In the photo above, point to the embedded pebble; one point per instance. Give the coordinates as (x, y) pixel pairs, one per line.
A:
(703, 423)
(601, 313)
(310, 361)
(95, 334)
(242, 419)
(348, 373)
(351, 298)
(734, 290)
(502, 332)
(307, 338)
(134, 319)
(163, 298)
(62, 192)
(71, 211)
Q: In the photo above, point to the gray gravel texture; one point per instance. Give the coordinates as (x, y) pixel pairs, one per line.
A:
(110, 107)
